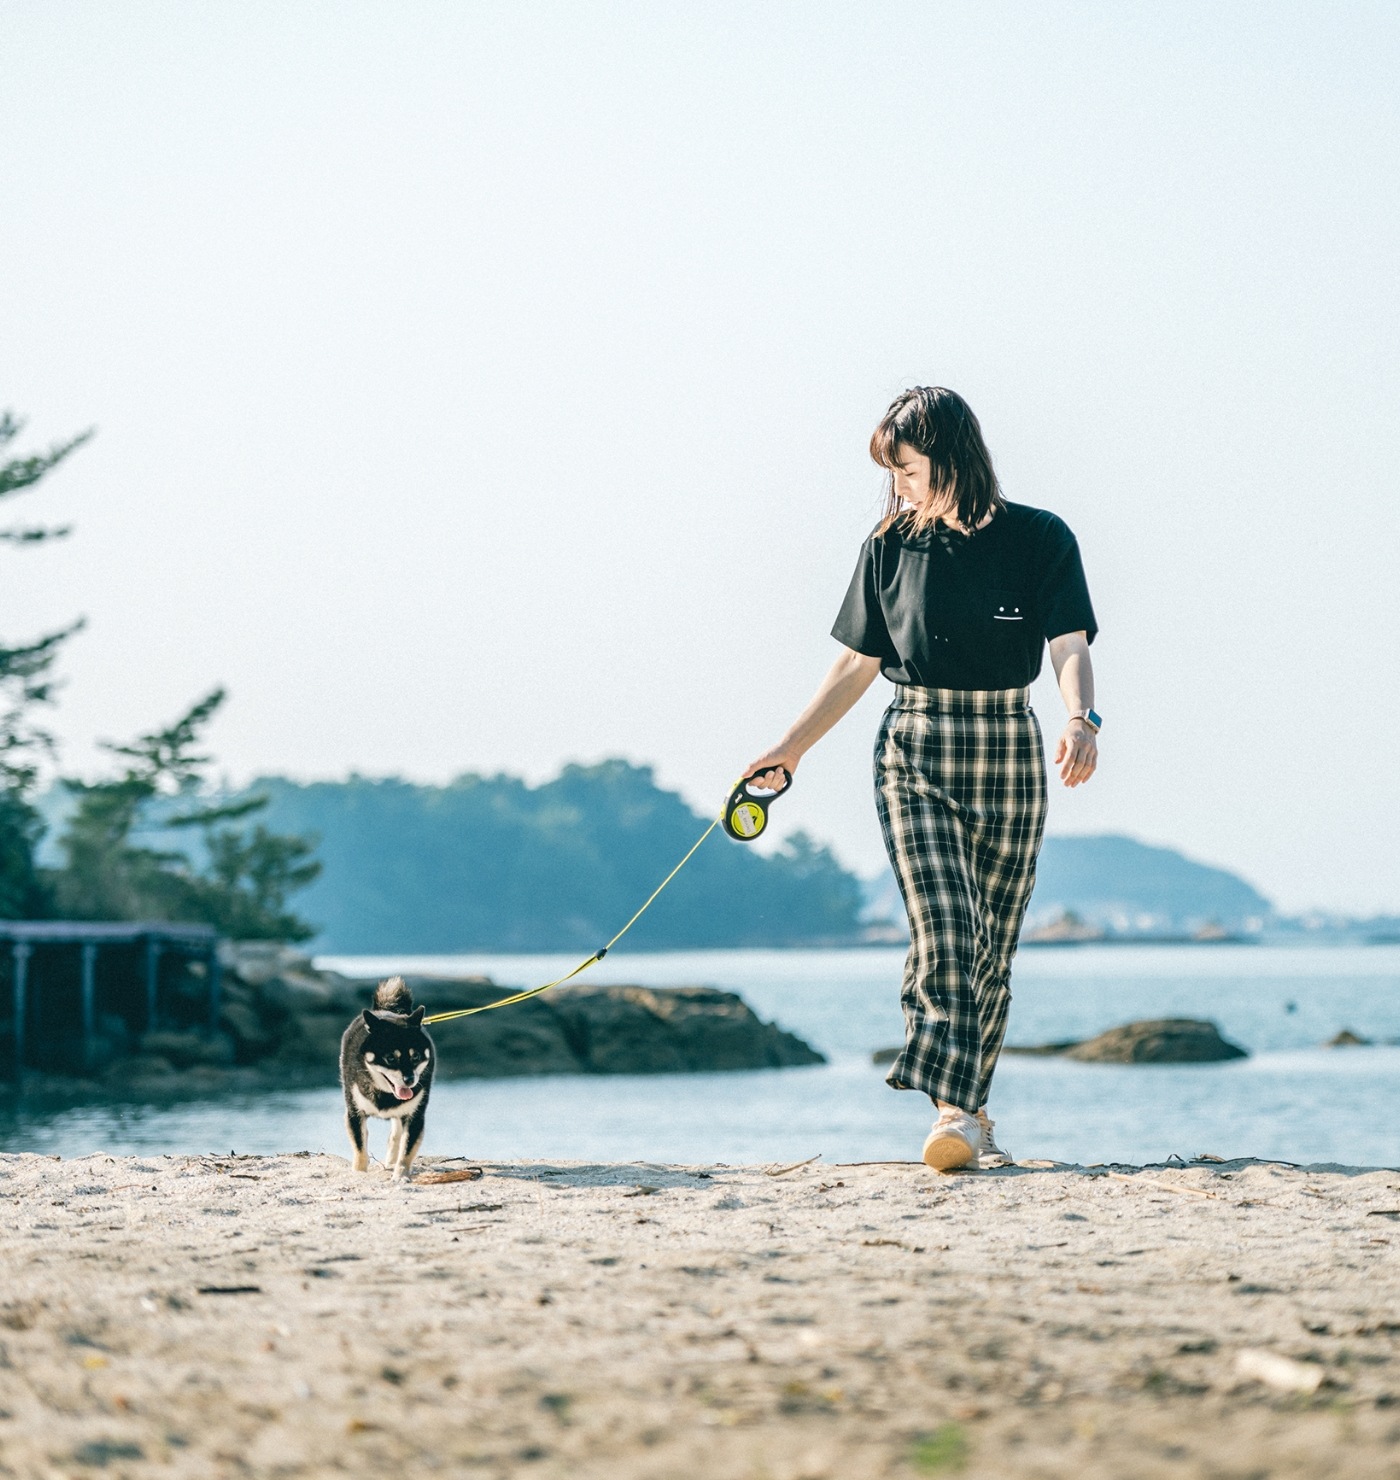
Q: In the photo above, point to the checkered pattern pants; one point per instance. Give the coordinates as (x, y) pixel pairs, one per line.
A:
(960, 787)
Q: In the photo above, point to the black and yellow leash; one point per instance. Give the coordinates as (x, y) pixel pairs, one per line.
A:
(745, 815)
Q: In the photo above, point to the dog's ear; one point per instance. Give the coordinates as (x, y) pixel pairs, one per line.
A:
(415, 1018)
(371, 1022)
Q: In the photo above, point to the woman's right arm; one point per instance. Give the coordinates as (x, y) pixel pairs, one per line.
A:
(850, 675)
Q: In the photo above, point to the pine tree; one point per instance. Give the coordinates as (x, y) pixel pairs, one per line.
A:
(26, 684)
(238, 882)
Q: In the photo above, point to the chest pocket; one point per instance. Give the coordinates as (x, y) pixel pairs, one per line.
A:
(1007, 609)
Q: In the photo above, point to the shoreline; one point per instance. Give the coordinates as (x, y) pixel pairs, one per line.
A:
(283, 1316)
(390, 961)
(1129, 1114)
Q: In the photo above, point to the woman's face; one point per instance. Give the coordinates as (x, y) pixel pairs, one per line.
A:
(912, 472)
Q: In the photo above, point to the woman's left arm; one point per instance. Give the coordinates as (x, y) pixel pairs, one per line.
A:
(1077, 753)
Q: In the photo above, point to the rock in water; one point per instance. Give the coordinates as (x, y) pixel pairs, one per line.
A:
(1158, 1041)
(1043, 1049)
(675, 1030)
(282, 1021)
(578, 1029)
(1347, 1039)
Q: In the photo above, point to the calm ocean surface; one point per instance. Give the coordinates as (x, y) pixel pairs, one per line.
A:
(1292, 1099)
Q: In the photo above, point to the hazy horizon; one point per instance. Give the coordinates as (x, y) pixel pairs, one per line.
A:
(480, 388)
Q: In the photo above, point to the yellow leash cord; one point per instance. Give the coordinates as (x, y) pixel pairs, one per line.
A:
(446, 1017)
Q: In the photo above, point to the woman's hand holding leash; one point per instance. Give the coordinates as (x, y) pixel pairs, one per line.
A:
(773, 769)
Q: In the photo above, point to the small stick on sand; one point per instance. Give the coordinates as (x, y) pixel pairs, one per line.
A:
(796, 1166)
(879, 1163)
(1164, 1186)
(465, 1174)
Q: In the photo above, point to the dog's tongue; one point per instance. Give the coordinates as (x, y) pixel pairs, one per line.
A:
(404, 1092)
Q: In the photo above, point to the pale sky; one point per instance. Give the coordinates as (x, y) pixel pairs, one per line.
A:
(487, 386)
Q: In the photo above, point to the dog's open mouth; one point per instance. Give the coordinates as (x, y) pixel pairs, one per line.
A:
(405, 1091)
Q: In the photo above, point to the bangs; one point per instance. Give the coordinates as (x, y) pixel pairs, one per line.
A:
(883, 441)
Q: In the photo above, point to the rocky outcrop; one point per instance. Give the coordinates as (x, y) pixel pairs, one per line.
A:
(282, 1020)
(676, 1030)
(1153, 1041)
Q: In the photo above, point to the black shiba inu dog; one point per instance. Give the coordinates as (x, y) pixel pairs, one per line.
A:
(386, 1069)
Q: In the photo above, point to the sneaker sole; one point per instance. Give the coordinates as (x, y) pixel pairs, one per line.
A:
(948, 1153)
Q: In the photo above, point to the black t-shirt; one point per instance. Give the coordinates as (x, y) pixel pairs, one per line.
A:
(945, 610)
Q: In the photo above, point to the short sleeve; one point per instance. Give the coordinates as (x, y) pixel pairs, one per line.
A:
(1062, 596)
(860, 624)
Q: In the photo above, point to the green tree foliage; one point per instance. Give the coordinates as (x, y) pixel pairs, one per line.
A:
(122, 854)
(26, 685)
(492, 864)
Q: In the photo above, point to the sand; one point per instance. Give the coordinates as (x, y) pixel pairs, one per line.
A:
(283, 1316)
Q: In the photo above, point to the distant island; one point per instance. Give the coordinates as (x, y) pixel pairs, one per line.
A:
(1110, 887)
(490, 863)
(1130, 888)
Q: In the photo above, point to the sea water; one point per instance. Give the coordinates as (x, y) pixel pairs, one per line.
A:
(1291, 1099)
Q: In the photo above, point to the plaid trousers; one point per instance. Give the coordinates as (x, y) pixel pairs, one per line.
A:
(960, 787)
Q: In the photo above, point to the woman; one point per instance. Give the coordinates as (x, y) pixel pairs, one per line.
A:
(953, 599)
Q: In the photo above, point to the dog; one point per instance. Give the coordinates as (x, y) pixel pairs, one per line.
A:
(386, 1069)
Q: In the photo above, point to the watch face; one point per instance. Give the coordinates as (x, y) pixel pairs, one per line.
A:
(1095, 719)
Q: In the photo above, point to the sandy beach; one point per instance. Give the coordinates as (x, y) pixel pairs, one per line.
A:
(282, 1316)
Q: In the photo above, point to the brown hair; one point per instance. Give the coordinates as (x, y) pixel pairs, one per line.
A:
(939, 423)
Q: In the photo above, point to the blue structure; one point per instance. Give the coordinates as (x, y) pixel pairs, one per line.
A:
(74, 994)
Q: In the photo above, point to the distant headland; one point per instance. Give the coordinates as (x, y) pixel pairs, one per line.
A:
(491, 863)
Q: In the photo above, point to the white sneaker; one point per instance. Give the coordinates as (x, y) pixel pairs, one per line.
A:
(954, 1142)
(990, 1148)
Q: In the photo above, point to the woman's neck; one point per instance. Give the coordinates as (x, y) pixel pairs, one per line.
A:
(950, 518)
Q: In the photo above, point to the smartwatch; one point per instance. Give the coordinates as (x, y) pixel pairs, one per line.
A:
(1091, 717)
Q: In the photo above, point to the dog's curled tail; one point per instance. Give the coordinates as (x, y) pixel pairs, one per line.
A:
(393, 995)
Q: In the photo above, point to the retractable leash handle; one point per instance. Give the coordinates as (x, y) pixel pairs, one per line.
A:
(745, 813)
